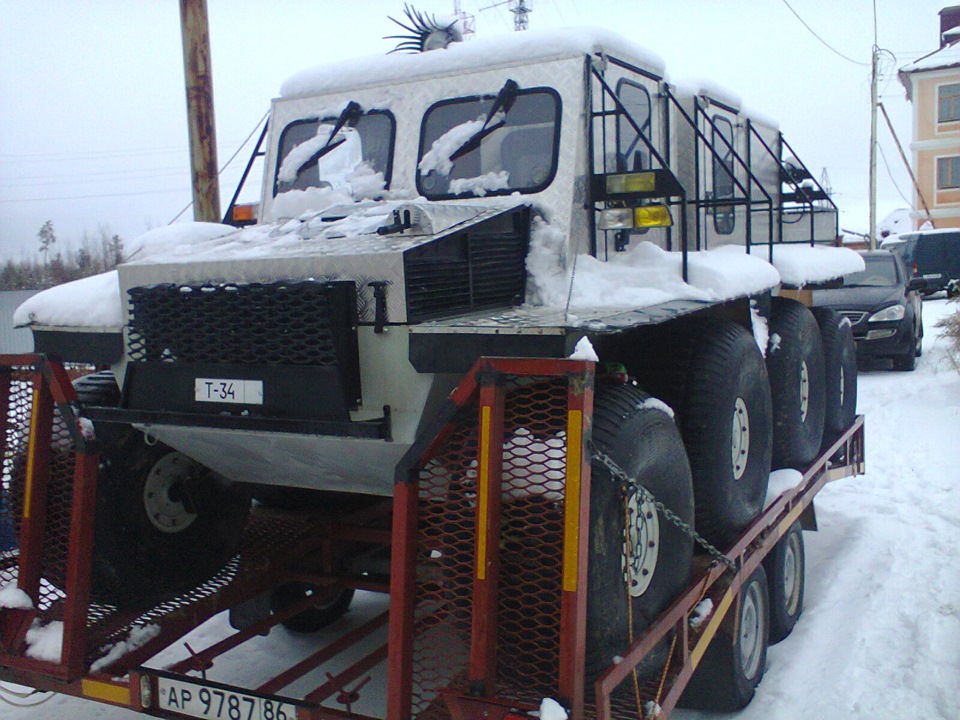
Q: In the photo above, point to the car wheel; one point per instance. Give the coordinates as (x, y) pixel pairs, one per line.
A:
(906, 362)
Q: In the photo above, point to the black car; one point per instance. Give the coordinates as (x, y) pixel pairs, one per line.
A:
(884, 306)
(933, 255)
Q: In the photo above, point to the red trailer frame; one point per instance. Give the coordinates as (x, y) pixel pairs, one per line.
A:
(487, 534)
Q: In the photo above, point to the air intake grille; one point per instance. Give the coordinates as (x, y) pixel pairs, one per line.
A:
(481, 267)
(306, 323)
(854, 316)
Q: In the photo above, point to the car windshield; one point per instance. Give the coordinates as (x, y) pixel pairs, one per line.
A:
(356, 160)
(879, 272)
(465, 151)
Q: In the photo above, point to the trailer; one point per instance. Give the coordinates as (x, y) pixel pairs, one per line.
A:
(487, 580)
(516, 337)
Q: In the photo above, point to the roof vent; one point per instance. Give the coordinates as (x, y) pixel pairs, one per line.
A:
(426, 32)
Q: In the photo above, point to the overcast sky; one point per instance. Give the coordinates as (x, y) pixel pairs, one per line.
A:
(93, 120)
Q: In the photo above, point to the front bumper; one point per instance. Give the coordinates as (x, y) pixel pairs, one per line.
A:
(884, 339)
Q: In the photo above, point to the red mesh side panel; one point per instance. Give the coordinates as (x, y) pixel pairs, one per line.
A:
(59, 495)
(17, 430)
(531, 550)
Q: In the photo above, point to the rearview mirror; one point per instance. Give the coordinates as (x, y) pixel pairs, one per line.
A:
(916, 283)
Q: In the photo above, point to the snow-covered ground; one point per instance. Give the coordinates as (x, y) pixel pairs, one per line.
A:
(880, 635)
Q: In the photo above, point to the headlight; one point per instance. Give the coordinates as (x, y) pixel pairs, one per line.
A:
(894, 312)
(645, 216)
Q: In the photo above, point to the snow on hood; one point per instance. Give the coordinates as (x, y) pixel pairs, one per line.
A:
(89, 302)
(530, 46)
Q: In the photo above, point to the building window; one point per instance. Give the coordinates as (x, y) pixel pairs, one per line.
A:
(948, 103)
(948, 172)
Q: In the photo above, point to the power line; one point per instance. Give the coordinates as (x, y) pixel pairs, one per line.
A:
(890, 174)
(101, 195)
(825, 43)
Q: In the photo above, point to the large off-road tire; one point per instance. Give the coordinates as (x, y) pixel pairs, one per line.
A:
(734, 662)
(645, 443)
(786, 569)
(840, 371)
(164, 523)
(796, 368)
(712, 374)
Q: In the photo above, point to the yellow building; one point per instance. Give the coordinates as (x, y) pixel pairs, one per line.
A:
(933, 86)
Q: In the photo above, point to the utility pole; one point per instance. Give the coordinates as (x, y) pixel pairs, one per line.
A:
(200, 119)
(874, 63)
(875, 59)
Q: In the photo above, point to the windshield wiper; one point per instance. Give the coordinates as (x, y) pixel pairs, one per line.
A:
(351, 114)
(503, 102)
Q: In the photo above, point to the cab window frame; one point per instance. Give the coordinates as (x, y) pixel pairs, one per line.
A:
(488, 98)
(317, 122)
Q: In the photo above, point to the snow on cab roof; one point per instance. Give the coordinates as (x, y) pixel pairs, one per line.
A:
(527, 47)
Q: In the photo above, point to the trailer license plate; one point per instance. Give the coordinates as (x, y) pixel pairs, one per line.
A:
(211, 703)
(219, 390)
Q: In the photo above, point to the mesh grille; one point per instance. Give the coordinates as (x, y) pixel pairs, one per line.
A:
(305, 323)
(530, 551)
(854, 316)
(479, 268)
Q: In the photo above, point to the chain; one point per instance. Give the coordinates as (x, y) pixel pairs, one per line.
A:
(628, 483)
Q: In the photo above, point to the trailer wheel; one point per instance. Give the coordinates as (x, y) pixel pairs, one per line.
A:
(638, 569)
(785, 567)
(734, 663)
(840, 371)
(712, 374)
(332, 604)
(796, 367)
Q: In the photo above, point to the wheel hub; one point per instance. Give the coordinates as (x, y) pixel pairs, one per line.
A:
(166, 498)
(792, 570)
(804, 391)
(740, 449)
(641, 544)
(751, 629)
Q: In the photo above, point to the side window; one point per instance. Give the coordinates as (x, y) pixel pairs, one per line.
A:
(632, 152)
(724, 216)
(948, 103)
(948, 173)
(360, 164)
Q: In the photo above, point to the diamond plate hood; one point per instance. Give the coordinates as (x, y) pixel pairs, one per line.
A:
(341, 242)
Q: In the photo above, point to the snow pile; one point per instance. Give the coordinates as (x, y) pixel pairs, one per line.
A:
(481, 185)
(89, 302)
(45, 642)
(458, 58)
(137, 637)
(173, 238)
(13, 597)
(656, 404)
(437, 158)
(644, 275)
(780, 482)
(550, 709)
(801, 265)
(584, 351)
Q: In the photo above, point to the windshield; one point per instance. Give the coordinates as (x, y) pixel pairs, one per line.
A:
(358, 160)
(879, 272)
(465, 152)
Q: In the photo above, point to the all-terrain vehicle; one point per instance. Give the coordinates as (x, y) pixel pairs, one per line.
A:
(538, 196)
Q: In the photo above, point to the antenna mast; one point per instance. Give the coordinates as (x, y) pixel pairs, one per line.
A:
(521, 10)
